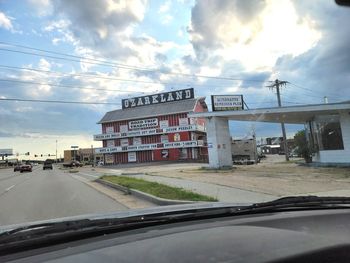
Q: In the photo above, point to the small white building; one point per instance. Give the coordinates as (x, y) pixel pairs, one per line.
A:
(327, 125)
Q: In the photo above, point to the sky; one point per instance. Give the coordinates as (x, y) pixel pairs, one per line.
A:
(104, 51)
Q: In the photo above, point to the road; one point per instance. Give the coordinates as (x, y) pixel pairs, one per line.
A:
(41, 195)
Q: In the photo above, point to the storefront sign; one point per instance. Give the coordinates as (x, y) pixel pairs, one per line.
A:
(137, 141)
(110, 143)
(164, 138)
(163, 124)
(131, 156)
(123, 128)
(141, 124)
(109, 130)
(183, 121)
(124, 142)
(109, 158)
(227, 102)
(158, 98)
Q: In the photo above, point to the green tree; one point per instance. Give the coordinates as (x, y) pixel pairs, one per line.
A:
(303, 148)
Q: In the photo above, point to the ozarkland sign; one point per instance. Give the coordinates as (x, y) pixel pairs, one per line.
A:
(171, 96)
(152, 146)
(227, 102)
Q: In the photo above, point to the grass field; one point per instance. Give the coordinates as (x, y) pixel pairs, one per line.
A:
(157, 189)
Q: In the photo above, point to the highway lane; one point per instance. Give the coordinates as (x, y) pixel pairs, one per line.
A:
(48, 194)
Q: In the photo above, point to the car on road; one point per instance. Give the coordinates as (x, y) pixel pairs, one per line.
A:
(47, 165)
(26, 168)
(17, 167)
(73, 164)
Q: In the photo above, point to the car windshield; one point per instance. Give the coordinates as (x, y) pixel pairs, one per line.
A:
(107, 106)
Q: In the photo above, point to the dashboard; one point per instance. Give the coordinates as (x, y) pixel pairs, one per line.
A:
(291, 236)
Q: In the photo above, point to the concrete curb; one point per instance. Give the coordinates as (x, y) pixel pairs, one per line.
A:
(144, 196)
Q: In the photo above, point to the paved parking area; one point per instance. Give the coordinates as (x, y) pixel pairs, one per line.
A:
(273, 176)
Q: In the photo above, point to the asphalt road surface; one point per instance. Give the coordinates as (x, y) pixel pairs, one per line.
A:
(47, 194)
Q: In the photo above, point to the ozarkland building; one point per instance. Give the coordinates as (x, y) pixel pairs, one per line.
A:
(154, 128)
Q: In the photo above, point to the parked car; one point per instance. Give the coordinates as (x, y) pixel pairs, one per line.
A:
(26, 168)
(47, 165)
(73, 164)
(17, 167)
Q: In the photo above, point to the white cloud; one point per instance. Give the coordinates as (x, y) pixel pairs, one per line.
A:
(41, 7)
(164, 7)
(44, 64)
(255, 36)
(166, 19)
(5, 22)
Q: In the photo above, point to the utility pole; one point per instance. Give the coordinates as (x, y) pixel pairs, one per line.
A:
(277, 85)
(56, 151)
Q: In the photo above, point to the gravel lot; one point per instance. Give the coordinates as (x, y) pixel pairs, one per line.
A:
(272, 176)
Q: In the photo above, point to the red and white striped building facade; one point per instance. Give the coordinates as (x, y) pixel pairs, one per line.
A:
(158, 131)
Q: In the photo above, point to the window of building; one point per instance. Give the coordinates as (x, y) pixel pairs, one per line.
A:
(328, 133)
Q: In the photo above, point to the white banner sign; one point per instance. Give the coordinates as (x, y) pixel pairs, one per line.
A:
(123, 128)
(141, 124)
(137, 141)
(109, 130)
(142, 147)
(164, 138)
(163, 124)
(110, 143)
(227, 102)
(183, 121)
(174, 129)
(109, 158)
(124, 142)
(131, 156)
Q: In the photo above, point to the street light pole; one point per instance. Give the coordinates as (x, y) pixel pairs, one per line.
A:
(56, 151)
(92, 156)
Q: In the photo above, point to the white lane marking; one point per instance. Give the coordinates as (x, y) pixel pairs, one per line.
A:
(8, 189)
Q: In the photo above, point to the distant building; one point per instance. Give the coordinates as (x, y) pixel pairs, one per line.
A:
(275, 145)
(84, 155)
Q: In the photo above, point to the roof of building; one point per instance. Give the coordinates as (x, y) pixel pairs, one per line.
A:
(288, 114)
(152, 110)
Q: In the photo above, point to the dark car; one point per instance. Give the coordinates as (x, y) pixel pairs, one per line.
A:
(47, 165)
(17, 167)
(26, 168)
(73, 164)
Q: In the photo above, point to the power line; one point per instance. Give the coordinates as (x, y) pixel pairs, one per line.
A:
(66, 86)
(310, 90)
(108, 78)
(59, 101)
(68, 55)
(79, 74)
(123, 66)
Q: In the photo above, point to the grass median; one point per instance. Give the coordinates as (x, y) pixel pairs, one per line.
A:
(157, 189)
